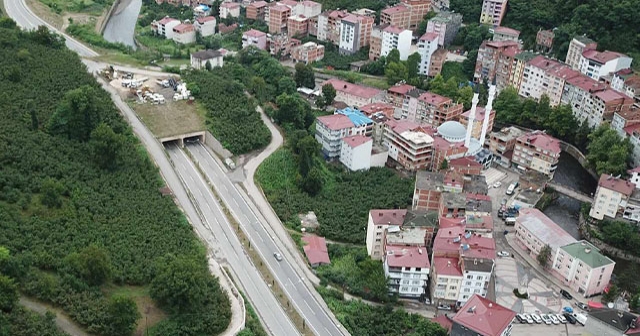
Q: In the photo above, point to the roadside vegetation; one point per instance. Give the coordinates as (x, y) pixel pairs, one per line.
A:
(80, 205)
(95, 7)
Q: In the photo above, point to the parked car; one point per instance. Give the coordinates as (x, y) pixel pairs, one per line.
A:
(536, 318)
(278, 256)
(569, 318)
(520, 318)
(503, 202)
(561, 318)
(497, 184)
(503, 254)
(528, 318)
(566, 294)
(580, 318)
(581, 305)
(444, 307)
(546, 319)
(554, 318)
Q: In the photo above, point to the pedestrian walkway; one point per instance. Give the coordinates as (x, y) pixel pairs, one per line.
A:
(493, 175)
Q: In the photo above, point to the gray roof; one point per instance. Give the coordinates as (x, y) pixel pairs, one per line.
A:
(617, 319)
(543, 228)
(415, 218)
(459, 201)
(452, 129)
(429, 181)
(475, 184)
(206, 54)
(584, 39)
(480, 265)
(415, 93)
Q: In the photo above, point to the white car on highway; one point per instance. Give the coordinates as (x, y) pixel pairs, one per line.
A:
(503, 254)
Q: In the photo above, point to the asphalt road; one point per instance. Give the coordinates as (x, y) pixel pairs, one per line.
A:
(24, 17)
(299, 294)
(221, 237)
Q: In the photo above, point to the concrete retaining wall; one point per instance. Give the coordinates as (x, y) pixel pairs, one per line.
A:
(216, 146)
(105, 20)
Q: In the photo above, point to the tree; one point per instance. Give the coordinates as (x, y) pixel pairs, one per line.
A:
(395, 72)
(307, 149)
(305, 76)
(469, 64)
(122, 316)
(329, 94)
(259, 88)
(8, 294)
(51, 193)
(92, 264)
(444, 165)
(607, 152)
(286, 85)
(291, 109)
(612, 294)
(393, 56)
(106, 146)
(465, 96)
(507, 105)
(413, 65)
(79, 112)
(560, 122)
(634, 303)
(312, 183)
(544, 256)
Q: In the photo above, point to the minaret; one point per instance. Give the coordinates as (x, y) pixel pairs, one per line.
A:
(472, 118)
(487, 112)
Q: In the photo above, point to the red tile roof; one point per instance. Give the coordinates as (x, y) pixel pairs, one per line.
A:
(356, 140)
(447, 266)
(542, 140)
(291, 3)
(372, 108)
(634, 170)
(336, 121)
(464, 162)
(230, 5)
(429, 37)
(434, 99)
(453, 240)
(401, 126)
(449, 222)
(544, 63)
(353, 89)
(316, 250)
(393, 30)
(206, 19)
(254, 33)
(280, 8)
(506, 30)
(616, 184)
(401, 88)
(609, 95)
(407, 256)
(586, 83)
(484, 317)
(601, 57)
(166, 20)
(395, 9)
(258, 4)
(444, 321)
(631, 129)
(183, 28)
(500, 44)
(479, 115)
(388, 217)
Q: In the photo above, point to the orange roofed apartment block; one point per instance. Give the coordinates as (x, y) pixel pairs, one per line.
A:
(406, 15)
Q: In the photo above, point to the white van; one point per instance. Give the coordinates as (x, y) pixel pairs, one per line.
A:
(510, 221)
(581, 318)
(512, 188)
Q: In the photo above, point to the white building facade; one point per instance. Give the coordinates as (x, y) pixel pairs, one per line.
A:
(396, 38)
(427, 45)
(355, 152)
(407, 268)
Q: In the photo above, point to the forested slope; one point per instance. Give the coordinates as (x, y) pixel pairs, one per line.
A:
(80, 207)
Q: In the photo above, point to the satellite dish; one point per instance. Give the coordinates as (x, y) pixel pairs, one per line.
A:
(610, 305)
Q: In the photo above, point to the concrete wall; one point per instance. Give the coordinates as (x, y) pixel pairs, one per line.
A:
(216, 146)
(103, 24)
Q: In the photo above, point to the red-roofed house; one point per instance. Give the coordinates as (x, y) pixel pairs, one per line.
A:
(184, 33)
(353, 94)
(466, 166)
(329, 133)
(397, 93)
(356, 153)
(229, 9)
(316, 250)
(206, 25)
(374, 108)
(537, 151)
(257, 10)
(409, 144)
(255, 38)
(597, 64)
(164, 27)
(379, 222)
(444, 321)
(494, 62)
(505, 34)
(446, 278)
(406, 262)
(611, 196)
(480, 316)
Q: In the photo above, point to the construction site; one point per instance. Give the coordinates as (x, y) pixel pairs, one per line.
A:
(164, 104)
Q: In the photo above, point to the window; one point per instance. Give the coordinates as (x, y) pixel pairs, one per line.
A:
(469, 277)
(418, 269)
(479, 277)
(468, 283)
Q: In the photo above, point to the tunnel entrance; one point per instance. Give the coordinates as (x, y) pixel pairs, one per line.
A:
(182, 139)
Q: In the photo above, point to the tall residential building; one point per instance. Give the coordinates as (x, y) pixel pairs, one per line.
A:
(517, 68)
(544, 76)
(255, 38)
(355, 32)
(502, 143)
(480, 316)
(331, 129)
(596, 64)
(428, 190)
(257, 10)
(307, 53)
(409, 144)
(427, 46)
(308, 8)
(164, 27)
(437, 61)
(446, 25)
(422, 107)
(278, 16)
(611, 197)
(329, 26)
(478, 120)
(297, 25)
(627, 82)
(377, 225)
(494, 59)
(537, 151)
(396, 38)
(407, 268)
(493, 11)
(582, 267)
(622, 120)
(505, 34)
(375, 42)
(576, 47)
(446, 277)
(229, 9)
(406, 15)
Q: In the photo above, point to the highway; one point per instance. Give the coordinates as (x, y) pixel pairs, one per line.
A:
(299, 294)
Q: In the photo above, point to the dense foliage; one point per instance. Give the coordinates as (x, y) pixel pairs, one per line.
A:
(87, 33)
(351, 5)
(231, 114)
(22, 322)
(93, 6)
(613, 24)
(608, 152)
(354, 271)
(252, 326)
(152, 11)
(341, 218)
(620, 234)
(362, 319)
(69, 222)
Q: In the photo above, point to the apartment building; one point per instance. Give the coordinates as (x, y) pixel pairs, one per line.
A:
(229, 10)
(378, 223)
(633, 133)
(278, 18)
(329, 26)
(576, 47)
(437, 61)
(495, 58)
(446, 277)
(254, 38)
(355, 33)
(184, 33)
(480, 316)
(305, 8)
(624, 120)
(544, 76)
(355, 152)
(581, 267)
(427, 46)
(434, 109)
(611, 197)
(206, 25)
(375, 42)
(199, 59)
(627, 82)
(297, 25)
(537, 151)
(409, 144)
(478, 120)
(544, 40)
(406, 15)
(520, 61)
(331, 129)
(407, 268)
(396, 95)
(396, 38)
(598, 64)
(354, 94)
(504, 34)
(503, 143)
(307, 53)
(257, 10)
(164, 27)
(428, 190)
(534, 230)
(446, 26)
(281, 45)
(492, 12)
(504, 67)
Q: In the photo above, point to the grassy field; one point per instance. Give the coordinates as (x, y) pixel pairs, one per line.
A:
(46, 13)
(171, 118)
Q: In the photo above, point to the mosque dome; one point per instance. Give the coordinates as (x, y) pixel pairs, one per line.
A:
(452, 131)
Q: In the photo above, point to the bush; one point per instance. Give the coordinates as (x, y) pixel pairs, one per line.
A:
(516, 292)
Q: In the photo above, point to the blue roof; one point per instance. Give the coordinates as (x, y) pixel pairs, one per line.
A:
(204, 7)
(356, 117)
